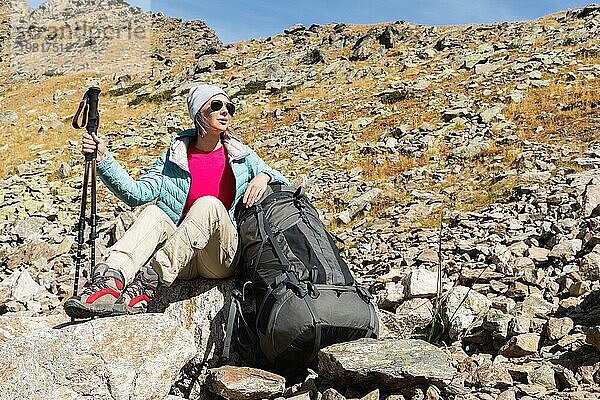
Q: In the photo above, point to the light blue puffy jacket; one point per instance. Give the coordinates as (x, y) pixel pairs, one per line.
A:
(168, 180)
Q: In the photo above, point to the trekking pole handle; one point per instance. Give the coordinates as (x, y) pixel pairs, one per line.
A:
(91, 117)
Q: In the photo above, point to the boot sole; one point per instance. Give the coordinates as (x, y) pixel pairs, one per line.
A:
(121, 309)
(74, 308)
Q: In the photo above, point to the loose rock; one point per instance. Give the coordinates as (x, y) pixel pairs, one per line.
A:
(243, 383)
(521, 345)
(394, 364)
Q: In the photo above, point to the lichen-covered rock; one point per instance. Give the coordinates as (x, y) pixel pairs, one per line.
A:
(388, 363)
(201, 306)
(12, 326)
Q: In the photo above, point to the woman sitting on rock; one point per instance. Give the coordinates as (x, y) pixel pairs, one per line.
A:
(191, 231)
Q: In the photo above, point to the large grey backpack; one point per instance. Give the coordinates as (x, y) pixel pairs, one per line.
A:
(304, 295)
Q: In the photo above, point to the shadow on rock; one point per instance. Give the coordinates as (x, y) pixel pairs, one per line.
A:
(202, 307)
(588, 312)
(574, 360)
(182, 290)
(71, 323)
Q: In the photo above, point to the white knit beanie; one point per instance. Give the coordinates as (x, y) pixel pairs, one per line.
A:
(199, 95)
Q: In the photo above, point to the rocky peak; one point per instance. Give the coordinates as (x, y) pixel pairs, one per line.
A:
(19, 5)
(71, 8)
(60, 36)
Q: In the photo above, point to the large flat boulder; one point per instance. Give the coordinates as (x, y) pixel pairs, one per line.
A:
(202, 307)
(125, 357)
(389, 363)
(15, 325)
(129, 357)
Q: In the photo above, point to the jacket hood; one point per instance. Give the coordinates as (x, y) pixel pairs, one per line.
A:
(178, 149)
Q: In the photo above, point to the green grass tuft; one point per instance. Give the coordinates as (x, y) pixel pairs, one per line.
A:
(125, 90)
(251, 88)
(394, 97)
(154, 98)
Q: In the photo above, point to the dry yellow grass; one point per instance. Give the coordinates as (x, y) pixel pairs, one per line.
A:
(406, 112)
(29, 102)
(568, 113)
(21, 139)
(374, 169)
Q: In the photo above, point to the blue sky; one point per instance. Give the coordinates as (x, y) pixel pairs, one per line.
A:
(235, 20)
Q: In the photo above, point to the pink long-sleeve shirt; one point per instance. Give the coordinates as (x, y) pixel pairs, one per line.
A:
(211, 176)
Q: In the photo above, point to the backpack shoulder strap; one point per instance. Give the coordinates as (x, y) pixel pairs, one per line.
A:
(236, 316)
(265, 227)
(234, 308)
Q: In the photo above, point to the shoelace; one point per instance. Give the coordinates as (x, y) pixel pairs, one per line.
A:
(97, 284)
(137, 287)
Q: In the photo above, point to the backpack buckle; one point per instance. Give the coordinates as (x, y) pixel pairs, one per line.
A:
(314, 274)
(237, 294)
(292, 280)
(299, 192)
(364, 294)
(313, 292)
(244, 289)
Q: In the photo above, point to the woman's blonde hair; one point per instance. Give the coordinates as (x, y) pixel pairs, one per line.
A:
(200, 122)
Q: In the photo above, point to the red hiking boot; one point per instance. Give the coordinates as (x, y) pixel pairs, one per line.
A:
(99, 296)
(137, 295)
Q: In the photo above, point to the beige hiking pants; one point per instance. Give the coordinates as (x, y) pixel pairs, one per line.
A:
(203, 245)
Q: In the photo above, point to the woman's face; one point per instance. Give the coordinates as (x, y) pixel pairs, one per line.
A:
(215, 122)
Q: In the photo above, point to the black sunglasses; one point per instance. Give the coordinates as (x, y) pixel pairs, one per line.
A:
(217, 105)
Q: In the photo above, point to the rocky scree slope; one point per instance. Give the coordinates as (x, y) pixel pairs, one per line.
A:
(473, 148)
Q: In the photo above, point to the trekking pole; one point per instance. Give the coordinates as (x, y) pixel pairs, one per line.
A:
(90, 120)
